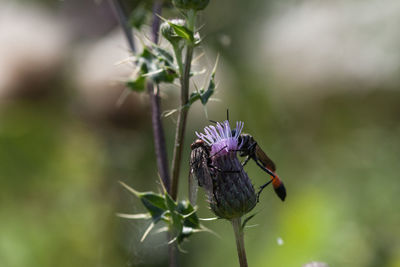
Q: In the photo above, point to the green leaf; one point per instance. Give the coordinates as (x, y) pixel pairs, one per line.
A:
(169, 202)
(163, 54)
(189, 214)
(177, 219)
(137, 85)
(156, 64)
(191, 222)
(180, 217)
(182, 31)
(205, 95)
(155, 204)
(202, 94)
(194, 96)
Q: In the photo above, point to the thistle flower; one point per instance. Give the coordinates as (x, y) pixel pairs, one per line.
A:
(232, 193)
(220, 137)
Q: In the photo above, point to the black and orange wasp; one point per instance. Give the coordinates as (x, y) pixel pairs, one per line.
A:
(251, 150)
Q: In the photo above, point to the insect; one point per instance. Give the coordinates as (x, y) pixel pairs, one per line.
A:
(200, 162)
(251, 150)
(199, 174)
(202, 169)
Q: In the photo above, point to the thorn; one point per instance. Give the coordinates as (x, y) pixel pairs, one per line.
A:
(136, 193)
(147, 231)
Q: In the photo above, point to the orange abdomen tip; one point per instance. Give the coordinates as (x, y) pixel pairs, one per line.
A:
(279, 188)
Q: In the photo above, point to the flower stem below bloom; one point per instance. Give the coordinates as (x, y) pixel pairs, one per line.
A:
(237, 228)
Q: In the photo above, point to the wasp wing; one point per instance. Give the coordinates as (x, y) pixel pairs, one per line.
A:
(193, 188)
(199, 174)
(265, 160)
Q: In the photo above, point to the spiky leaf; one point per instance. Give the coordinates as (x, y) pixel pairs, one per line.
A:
(155, 64)
(137, 84)
(180, 217)
(154, 203)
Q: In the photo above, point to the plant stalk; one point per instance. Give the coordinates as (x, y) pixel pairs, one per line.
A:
(158, 130)
(183, 111)
(158, 133)
(119, 12)
(159, 137)
(237, 228)
(181, 124)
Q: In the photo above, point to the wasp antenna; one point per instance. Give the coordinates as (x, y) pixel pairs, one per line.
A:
(227, 114)
(212, 121)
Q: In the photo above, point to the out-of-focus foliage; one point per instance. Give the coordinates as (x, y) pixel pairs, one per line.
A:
(180, 217)
(157, 64)
(334, 136)
(138, 16)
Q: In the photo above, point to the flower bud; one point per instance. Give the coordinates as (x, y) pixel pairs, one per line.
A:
(233, 193)
(168, 31)
(191, 4)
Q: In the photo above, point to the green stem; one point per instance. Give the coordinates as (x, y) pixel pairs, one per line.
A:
(183, 111)
(237, 228)
(191, 19)
(181, 124)
(178, 56)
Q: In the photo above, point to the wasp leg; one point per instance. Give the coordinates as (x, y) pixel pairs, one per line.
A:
(262, 188)
(218, 169)
(231, 171)
(263, 168)
(223, 171)
(245, 161)
(216, 153)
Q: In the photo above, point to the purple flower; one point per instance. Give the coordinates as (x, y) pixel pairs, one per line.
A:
(230, 191)
(220, 137)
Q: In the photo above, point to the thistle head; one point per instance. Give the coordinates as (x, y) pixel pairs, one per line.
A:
(232, 194)
(220, 137)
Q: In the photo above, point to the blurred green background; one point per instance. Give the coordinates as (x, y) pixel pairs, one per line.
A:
(316, 83)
